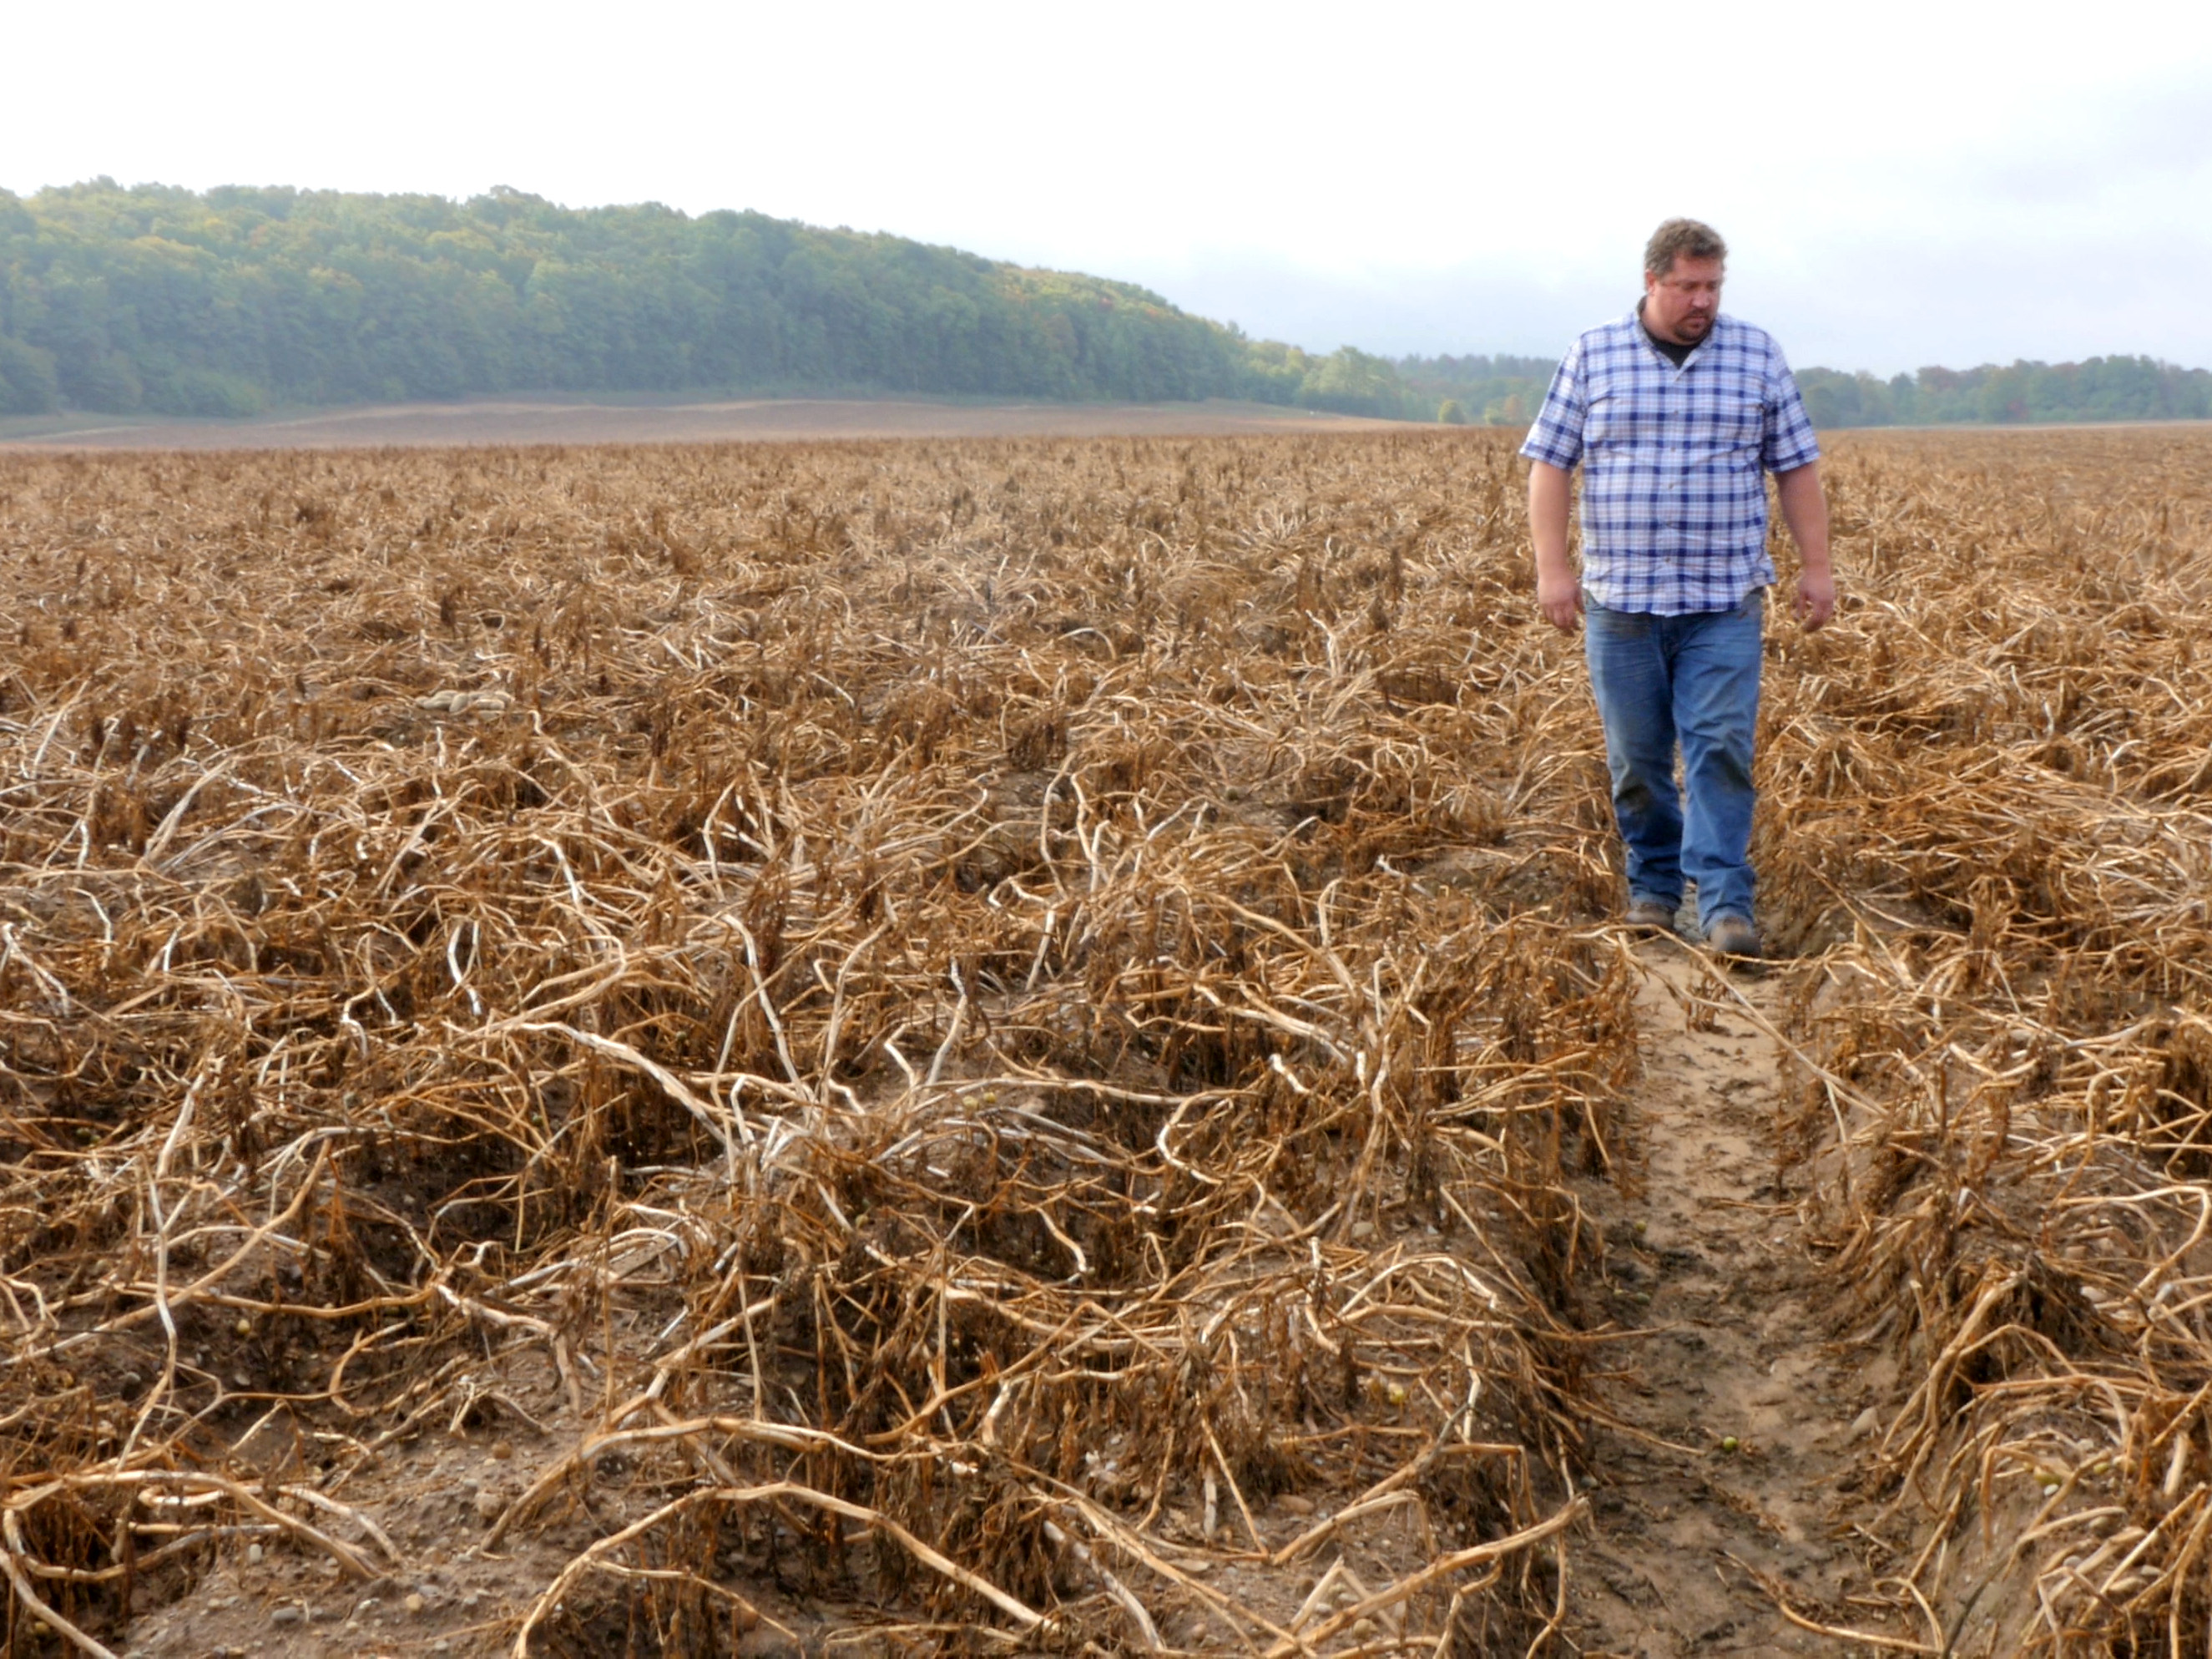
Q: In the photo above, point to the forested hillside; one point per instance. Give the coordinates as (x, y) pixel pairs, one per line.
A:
(173, 302)
(168, 301)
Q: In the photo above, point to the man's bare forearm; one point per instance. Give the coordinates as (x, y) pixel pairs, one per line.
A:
(1558, 591)
(1805, 510)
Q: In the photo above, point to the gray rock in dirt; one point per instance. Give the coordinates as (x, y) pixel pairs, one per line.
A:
(288, 1615)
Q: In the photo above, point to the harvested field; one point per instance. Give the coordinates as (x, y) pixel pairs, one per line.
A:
(999, 1045)
(556, 420)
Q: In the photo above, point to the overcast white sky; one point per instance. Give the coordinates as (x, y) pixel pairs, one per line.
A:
(1901, 183)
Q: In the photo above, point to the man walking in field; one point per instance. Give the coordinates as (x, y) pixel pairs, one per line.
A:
(1675, 415)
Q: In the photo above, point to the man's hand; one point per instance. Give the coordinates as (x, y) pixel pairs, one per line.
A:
(1816, 598)
(1559, 597)
(1558, 590)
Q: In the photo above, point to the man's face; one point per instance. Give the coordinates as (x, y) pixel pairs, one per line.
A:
(1682, 305)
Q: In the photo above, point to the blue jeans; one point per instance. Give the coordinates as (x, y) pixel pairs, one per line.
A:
(1693, 681)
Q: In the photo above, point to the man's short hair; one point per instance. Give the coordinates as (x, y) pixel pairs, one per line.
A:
(1681, 239)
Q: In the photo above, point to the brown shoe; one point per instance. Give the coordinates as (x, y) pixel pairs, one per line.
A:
(1733, 936)
(1650, 916)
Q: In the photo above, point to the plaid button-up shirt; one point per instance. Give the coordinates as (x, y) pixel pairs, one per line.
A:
(1674, 462)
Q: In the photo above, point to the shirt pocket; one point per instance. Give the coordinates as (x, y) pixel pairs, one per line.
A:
(1623, 419)
(1605, 418)
(1738, 421)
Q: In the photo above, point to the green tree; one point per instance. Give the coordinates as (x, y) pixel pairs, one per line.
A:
(28, 385)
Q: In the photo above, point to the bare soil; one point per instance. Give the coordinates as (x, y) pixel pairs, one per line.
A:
(1716, 1497)
(564, 421)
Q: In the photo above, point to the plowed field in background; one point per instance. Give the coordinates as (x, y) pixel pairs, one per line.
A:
(975, 1044)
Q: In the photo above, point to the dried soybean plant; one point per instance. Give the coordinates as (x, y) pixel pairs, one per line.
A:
(1001, 1035)
(1987, 798)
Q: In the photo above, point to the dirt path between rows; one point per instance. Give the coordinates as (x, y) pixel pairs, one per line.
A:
(1737, 1414)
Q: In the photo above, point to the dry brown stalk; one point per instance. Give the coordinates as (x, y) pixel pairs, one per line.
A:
(1019, 989)
(990, 984)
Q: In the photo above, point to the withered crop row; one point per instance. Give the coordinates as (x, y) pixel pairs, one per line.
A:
(995, 1012)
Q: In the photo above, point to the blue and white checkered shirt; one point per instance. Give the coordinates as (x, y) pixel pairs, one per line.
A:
(1674, 462)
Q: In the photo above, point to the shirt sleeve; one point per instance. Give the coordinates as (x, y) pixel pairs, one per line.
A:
(1555, 438)
(1787, 442)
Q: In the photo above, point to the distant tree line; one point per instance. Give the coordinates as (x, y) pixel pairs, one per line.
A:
(2102, 389)
(223, 303)
(1507, 391)
(175, 302)
(1490, 391)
